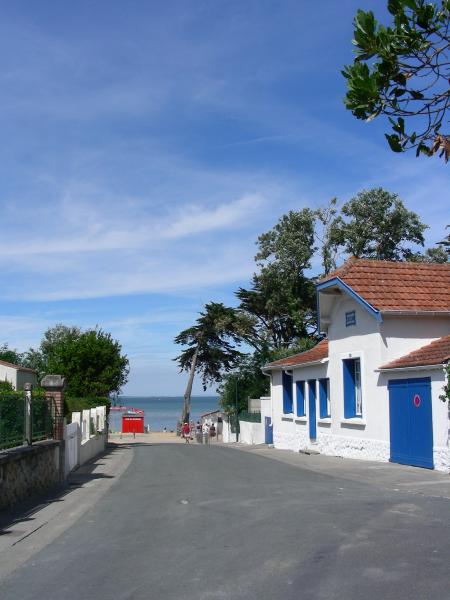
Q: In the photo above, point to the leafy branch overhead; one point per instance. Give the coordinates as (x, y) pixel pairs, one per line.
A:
(403, 72)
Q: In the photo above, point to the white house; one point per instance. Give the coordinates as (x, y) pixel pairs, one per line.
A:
(16, 375)
(371, 388)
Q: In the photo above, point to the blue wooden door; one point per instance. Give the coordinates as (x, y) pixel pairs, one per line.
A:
(411, 422)
(312, 409)
(268, 431)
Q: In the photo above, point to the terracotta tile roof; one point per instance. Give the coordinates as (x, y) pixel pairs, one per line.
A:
(17, 367)
(319, 352)
(403, 286)
(435, 353)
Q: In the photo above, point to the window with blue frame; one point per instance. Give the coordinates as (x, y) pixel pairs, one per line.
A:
(288, 403)
(352, 388)
(350, 318)
(324, 398)
(300, 386)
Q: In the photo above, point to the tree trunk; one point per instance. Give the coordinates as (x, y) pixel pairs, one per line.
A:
(187, 394)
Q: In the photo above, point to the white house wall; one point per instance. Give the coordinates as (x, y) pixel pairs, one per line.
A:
(402, 335)
(367, 437)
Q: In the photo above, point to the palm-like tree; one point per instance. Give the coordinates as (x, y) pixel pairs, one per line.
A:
(211, 348)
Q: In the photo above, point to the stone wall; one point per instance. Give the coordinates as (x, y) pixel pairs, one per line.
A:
(28, 470)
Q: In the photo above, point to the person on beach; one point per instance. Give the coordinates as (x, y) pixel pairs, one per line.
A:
(205, 431)
(165, 430)
(186, 431)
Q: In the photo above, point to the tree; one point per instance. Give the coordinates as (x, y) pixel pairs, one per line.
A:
(431, 255)
(248, 380)
(402, 72)
(446, 243)
(377, 226)
(211, 348)
(9, 355)
(326, 215)
(91, 361)
(281, 300)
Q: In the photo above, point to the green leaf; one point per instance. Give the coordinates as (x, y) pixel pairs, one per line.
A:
(416, 95)
(394, 142)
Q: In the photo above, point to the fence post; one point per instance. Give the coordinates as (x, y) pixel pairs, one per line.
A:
(28, 413)
(54, 388)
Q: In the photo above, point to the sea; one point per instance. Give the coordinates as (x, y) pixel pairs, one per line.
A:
(162, 411)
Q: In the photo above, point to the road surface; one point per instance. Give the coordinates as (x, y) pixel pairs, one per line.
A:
(203, 523)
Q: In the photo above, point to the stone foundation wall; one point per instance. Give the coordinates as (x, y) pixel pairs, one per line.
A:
(28, 470)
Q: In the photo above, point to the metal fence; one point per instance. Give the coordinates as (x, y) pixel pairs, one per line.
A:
(22, 421)
(253, 417)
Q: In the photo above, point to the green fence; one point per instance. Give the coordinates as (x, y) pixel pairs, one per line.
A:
(13, 418)
(251, 417)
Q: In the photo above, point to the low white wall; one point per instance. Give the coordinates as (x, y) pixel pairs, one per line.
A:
(251, 433)
(93, 446)
(72, 437)
(227, 436)
(81, 446)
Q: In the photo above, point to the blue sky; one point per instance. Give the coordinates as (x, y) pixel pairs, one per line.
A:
(147, 144)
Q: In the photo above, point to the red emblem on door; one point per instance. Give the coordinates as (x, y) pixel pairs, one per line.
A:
(417, 401)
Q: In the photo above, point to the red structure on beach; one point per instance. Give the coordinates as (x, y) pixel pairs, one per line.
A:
(133, 422)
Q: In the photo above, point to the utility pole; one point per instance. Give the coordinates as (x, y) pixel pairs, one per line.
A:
(236, 409)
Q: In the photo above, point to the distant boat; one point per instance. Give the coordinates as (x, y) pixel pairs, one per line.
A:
(128, 409)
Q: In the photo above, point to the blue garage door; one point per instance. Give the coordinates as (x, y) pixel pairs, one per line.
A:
(411, 423)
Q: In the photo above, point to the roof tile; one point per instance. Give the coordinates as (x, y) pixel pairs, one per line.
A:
(319, 352)
(403, 286)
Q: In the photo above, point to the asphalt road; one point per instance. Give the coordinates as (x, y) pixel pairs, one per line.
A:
(203, 523)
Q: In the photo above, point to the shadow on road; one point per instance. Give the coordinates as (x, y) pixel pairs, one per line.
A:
(24, 511)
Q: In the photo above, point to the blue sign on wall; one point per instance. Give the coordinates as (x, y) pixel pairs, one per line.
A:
(350, 318)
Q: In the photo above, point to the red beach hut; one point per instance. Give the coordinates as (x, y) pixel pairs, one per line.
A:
(133, 421)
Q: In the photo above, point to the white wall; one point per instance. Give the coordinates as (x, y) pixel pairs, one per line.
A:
(77, 434)
(251, 433)
(374, 344)
(17, 377)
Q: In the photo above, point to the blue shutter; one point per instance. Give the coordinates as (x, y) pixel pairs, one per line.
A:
(300, 398)
(349, 388)
(323, 398)
(287, 393)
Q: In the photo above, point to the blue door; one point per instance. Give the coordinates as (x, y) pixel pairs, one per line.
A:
(312, 409)
(268, 430)
(411, 422)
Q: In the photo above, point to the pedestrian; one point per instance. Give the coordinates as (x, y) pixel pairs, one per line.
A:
(212, 431)
(186, 432)
(205, 431)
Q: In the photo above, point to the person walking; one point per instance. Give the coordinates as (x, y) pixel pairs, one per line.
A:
(186, 431)
(205, 431)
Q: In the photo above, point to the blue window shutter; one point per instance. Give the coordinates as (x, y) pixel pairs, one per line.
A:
(300, 398)
(287, 393)
(323, 398)
(349, 388)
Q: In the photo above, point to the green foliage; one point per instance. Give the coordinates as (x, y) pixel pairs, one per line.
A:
(431, 255)
(281, 300)
(72, 404)
(10, 355)
(377, 225)
(445, 396)
(5, 386)
(12, 419)
(212, 342)
(401, 71)
(90, 360)
(446, 243)
(248, 381)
